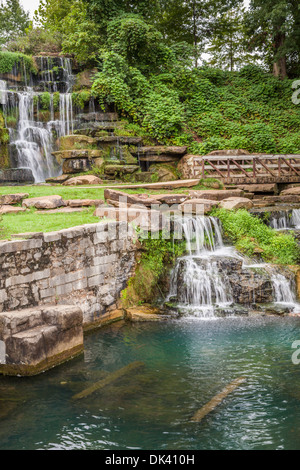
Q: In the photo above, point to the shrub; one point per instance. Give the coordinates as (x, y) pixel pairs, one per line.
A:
(248, 233)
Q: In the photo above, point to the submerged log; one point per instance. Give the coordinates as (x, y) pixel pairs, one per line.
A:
(108, 380)
(214, 402)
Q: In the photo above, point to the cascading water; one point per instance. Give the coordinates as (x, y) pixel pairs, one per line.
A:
(32, 138)
(283, 290)
(200, 285)
(197, 283)
(285, 220)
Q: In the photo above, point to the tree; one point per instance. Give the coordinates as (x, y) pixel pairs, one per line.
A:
(228, 48)
(192, 21)
(278, 20)
(13, 20)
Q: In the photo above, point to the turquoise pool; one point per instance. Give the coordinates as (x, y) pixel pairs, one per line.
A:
(186, 363)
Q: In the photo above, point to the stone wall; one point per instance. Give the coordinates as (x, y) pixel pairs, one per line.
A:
(86, 266)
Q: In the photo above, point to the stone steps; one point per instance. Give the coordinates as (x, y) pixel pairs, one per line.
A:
(34, 340)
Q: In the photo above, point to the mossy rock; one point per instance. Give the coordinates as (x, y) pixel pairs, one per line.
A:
(4, 156)
(127, 157)
(73, 142)
(162, 173)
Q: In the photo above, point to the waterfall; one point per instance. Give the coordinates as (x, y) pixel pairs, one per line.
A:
(200, 286)
(285, 220)
(32, 137)
(282, 222)
(196, 282)
(283, 291)
(295, 219)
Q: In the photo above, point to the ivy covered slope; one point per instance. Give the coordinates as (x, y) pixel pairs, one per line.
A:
(251, 236)
(204, 108)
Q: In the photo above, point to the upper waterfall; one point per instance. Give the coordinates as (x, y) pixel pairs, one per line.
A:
(34, 129)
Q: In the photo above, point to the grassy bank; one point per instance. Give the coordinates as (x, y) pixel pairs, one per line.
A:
(251, 236)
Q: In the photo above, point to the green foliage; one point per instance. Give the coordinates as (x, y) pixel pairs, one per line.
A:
(35, 41)
(56, 100)
(81, 98)
(13, 20)
(250, 235)
(45, 99)
(9, 59)
(158, 257)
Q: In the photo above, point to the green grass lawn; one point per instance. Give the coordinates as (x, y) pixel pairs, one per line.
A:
(31, 221)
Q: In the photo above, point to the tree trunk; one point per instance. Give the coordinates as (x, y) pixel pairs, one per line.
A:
(195, 34)
(279, 67)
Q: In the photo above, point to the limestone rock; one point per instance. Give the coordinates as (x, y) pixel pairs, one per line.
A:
(37, 339)
(170, 199)
(74, 154)
(216, 194)
(236, 203)
(16, 175)
(198, 206)
(164, 173)
(44, 202)
(70, 141)
(10, 199)
(157, 150)
(84, 202)
(291, 192)
(139, 199)
(11, 209)
(58, 179)
(144, 314)
(83, 180)
(259, 188)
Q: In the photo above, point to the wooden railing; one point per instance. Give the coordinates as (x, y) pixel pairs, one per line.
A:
(249, 168)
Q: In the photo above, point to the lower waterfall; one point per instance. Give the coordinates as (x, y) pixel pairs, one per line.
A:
(209, 280)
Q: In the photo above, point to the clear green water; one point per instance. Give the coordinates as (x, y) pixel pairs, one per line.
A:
(186, 364)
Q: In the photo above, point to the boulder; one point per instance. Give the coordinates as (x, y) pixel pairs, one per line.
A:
(144, 314)
(233, 203)
(69, 142)
(84, 202)
(139, 199)
(198, 206)
(83, 180)
(170, 199)
(216, 194)
(291, 192)
(85, 79)
(10, 199)
(44, 202)
(16, 175)
(259, 188)
(162, 172)
(37, 339)
(58, 179)
(11, 209)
